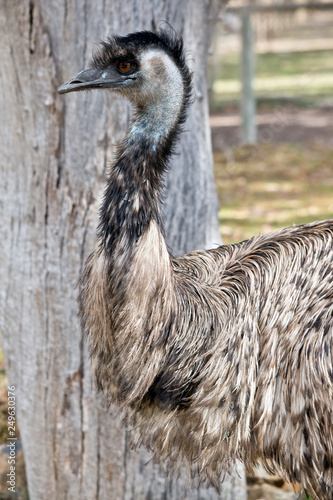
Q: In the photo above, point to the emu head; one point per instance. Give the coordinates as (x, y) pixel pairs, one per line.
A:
(145, 67)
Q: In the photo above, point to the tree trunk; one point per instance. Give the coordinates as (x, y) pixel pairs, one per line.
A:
(54, 154)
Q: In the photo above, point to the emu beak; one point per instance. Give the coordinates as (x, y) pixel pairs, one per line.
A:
(92, 79)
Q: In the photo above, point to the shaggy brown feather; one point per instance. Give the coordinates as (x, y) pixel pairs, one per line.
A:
(218, 355)
(226, 354)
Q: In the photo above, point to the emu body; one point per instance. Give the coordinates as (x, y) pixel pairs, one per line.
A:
(217, 355)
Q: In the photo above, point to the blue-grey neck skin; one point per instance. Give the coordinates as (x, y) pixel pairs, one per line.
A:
(159, 97)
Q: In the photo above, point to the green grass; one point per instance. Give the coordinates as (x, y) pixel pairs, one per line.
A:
(305, 77)
(272, 186)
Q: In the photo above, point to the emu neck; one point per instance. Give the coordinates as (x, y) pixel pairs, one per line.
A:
(131, 230)
(130, 274)
(132, 196)
(138, 273)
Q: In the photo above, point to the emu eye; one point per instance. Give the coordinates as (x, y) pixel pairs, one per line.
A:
(124, 66)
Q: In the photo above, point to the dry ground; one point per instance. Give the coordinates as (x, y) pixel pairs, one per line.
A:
(277, 182)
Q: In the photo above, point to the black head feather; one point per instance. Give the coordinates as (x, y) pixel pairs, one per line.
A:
(129, 46)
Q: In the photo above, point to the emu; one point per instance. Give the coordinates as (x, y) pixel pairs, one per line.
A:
(219, 355)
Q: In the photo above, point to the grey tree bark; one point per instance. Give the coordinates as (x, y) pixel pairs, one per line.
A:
(54, 153)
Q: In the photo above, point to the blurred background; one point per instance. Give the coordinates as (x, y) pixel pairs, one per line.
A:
(271, 104)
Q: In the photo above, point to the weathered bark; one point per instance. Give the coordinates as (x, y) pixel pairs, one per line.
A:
(54, 154)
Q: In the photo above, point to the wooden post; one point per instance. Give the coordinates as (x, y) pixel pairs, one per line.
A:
(248, 104)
